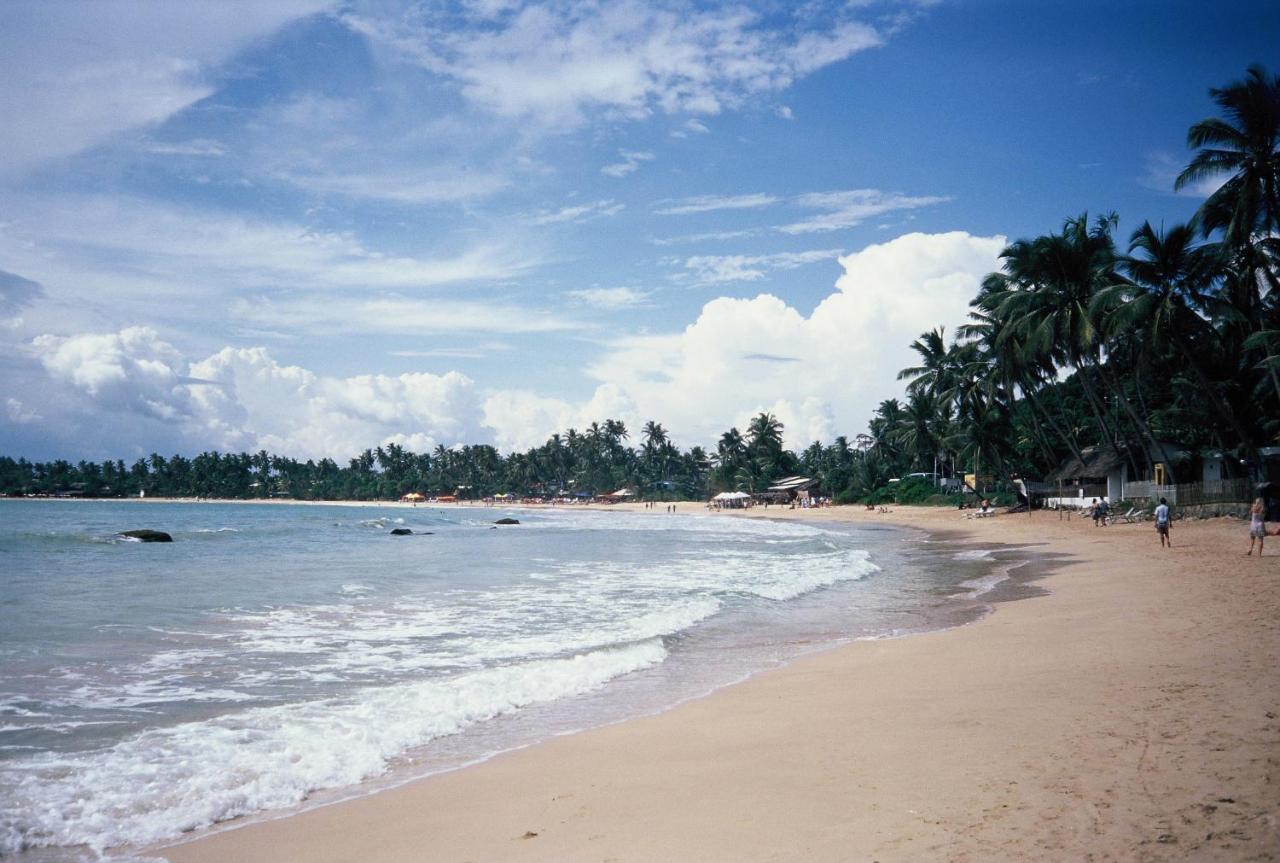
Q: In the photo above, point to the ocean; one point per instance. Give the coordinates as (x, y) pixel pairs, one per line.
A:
(278, 655)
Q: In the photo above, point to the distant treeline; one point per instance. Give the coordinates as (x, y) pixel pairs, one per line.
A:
(592, 462)
(1075, 342)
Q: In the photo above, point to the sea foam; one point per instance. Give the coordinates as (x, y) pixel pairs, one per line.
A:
(166, 781)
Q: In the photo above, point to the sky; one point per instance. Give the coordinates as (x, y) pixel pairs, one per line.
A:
(314, 227)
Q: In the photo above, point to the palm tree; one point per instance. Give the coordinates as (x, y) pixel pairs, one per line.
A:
(1246, 144)
(1168, 279)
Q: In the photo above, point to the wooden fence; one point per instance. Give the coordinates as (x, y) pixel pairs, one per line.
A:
(1193, 493)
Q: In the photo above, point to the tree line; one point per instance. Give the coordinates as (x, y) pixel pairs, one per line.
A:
(1080, 339)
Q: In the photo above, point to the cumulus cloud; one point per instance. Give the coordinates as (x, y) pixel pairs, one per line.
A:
(243, 399)
(132, 370)
(554, 63)
(822, 374)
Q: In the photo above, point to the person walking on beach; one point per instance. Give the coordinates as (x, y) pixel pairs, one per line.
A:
(1257, 526)
(1162, 523)
(1094, 511)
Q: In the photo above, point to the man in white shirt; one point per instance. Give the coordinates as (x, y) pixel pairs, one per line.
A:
(1162, 523)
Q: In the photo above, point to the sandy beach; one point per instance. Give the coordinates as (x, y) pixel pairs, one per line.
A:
(1132, 713)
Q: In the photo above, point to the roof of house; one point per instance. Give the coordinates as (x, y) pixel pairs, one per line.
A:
(793, 483)
(1098, 461)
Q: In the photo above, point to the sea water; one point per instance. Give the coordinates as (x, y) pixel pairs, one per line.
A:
(274, 654)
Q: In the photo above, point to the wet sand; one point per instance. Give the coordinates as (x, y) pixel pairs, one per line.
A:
(1132, 713)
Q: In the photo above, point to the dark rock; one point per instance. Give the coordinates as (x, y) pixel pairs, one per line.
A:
(147, 535)
(401, 531)
(507, 521)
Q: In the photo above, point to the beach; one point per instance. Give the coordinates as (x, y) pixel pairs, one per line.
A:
(1131, 713)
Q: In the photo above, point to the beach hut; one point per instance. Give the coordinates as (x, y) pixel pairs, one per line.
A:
(1105, 470)
(413, 497)
(790, 489)
(620, 496)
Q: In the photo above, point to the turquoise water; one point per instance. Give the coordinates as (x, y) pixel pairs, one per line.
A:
(273, 653)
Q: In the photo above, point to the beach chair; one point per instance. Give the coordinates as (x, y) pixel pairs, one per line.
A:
(1131, 516)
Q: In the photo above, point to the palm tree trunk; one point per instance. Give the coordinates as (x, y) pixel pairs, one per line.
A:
(1067, 439)
(1219, 405)
(1092, 398)
(1144, 428)
(1038, 431)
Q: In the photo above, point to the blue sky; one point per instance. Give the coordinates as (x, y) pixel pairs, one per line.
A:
(313, 227)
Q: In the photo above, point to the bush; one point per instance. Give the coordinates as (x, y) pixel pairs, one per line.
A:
(915, 489)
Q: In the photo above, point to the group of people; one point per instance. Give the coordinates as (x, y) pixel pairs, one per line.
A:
(1258, 532)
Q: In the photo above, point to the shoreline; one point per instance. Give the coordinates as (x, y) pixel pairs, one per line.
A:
(1131, 714)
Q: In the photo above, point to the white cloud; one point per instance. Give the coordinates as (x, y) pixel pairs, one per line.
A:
(711, 203)
(77, 73)
(717, 269)
(610, 298)
(735, 359)
(1163, 168)
(579, 213)
(702, 238)
(521, 419)
(553, 63)
(214, 250)
(395, 315)
(693, 126)
(20, 413)
(821, 374)
(242, 399)
(631, 161)
(849, 208)
(437, 186)
(132, 370)
(202, 147)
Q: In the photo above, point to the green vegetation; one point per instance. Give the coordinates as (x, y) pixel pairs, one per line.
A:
(1076, 341)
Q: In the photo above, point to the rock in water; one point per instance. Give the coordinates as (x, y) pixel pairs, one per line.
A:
(401, 531)
(147, 535)
(507, 521)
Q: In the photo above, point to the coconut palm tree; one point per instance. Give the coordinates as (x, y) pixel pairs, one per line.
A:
(1169, 279)
(1245, 143)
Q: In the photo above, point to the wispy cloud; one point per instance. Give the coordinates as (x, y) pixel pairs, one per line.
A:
(717, 269)
(473, 352)
(631, 161)
(710, 236)
(413, 187)
(849, 208)
(609, 298)
(400, 316)
(1162, 169)
(710, 203)
(195, 147)
(201, 248)
(76, 74)
(555, 63)
(579, 213)
(693, 126)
